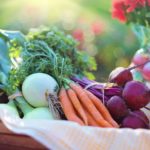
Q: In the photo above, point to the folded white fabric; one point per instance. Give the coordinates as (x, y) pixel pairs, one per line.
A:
(66, 135)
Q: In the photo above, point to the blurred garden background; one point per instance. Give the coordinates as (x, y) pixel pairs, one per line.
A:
(89, 21)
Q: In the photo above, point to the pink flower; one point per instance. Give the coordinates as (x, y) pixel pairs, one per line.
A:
(97, 27)
(119, 11)
(133, 4)
(78, 34)
(148, 1)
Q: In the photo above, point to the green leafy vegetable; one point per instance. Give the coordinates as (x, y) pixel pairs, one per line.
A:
(51, 52)
(66, 46)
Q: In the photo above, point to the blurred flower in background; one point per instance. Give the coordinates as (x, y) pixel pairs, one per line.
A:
(89, 22)
(135, 11)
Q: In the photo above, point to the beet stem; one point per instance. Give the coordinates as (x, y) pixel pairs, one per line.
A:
(131, 68)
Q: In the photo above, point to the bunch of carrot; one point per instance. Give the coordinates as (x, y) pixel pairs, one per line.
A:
(81, 106)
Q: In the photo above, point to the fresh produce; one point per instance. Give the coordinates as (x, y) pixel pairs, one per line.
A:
(136, 119)
(77, 105)
(49, 82)
(39, 113)
(83, 104)
(117, 107)
(136, 94)
(45, 51)
(87, 103)
(102, 109)
(143, 73)
(68, 108)
(91, 121)
(146, 71)
(66, 47)
(119, 100)
(5, 69)
(103, 91)
(121, 75)
(50, 51)
(140, 58)
(34, 113)
(37, 86)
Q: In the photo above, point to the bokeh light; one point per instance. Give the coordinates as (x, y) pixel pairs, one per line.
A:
(89, 22)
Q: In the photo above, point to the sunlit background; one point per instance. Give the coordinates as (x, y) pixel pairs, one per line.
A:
(89, 21)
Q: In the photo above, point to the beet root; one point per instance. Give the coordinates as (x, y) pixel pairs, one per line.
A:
(136, 95)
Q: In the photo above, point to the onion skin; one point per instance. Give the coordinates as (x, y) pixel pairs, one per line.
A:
(35, 88)
(39, 113)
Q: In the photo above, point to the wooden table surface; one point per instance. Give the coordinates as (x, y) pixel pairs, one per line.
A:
(11, 141)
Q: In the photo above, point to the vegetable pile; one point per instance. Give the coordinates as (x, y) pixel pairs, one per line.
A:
(124, 97)
(44, 76)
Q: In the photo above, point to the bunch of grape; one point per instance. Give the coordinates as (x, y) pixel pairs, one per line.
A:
(126, 109)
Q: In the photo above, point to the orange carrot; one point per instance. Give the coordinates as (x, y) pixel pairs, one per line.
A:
(86, 101)
(68, 108)
(91, 121)
(77, 105)
(101, 107)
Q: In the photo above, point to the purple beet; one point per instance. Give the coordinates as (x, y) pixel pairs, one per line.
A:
(122, 75)
(136, 94)
(97, 88)
(117, 107)
(136, 119)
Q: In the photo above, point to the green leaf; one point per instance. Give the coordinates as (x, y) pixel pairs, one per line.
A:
(3, 78)
(5, 38)
(142, 34)
(4, 57)
(11, 35)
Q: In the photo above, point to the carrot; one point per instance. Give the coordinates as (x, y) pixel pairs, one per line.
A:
(77, 105)
(86, 101)
(68, 108)
(101, 107)
(91, 121)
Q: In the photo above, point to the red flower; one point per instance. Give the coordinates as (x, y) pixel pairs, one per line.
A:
(133, 4)
(148, 1)
(119, 11)
(78, 34)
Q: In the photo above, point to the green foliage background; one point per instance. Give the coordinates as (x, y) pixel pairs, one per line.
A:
(113, 47)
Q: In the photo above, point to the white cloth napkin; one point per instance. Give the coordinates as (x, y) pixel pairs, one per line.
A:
(66, 135)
